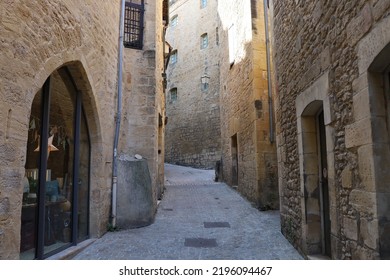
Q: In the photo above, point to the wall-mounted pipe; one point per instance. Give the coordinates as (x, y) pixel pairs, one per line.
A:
(270, 103)
(118, 116)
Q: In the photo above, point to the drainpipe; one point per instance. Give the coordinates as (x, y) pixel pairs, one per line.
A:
(118, 116)
(270, 104)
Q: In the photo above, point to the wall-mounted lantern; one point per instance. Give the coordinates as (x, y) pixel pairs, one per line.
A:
(205, 79)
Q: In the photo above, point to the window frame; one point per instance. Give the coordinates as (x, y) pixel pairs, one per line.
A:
(173, 92)
(133, 34)
(42, 220)
(174, 20)
(173, 57)
(204, 41)
(203, 4)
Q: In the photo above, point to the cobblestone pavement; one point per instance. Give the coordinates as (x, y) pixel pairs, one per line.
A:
(198, 219)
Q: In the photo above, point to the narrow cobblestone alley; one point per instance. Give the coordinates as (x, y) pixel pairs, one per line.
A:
(201, 220)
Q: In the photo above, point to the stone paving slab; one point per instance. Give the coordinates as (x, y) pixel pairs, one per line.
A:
(182, 215)
(181, 175)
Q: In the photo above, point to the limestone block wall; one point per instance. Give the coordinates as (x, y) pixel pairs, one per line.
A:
(246, 146)
(144, 98)
(160, 33)
(37, 37)
(193, 129)
(326, 55)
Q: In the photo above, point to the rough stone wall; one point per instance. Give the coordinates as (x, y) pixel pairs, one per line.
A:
(244, 102)
(193, 129)
(160, 32)
(143, 98)
(311, 39)
(37, 37)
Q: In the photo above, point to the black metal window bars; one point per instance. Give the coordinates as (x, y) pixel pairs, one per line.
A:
(134, 24)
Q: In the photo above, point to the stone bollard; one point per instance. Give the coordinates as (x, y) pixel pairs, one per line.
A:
(135, 204)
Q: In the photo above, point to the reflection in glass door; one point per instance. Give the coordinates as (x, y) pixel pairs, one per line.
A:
(60, 158)
(55, 207)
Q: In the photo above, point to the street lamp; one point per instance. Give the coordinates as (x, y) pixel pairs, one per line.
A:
(205, 79)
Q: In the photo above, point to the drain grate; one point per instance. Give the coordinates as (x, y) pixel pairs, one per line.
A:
(167, 209)
(200, 242)
(216, 225)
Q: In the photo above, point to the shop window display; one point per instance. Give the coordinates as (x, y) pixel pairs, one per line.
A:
(51, 219)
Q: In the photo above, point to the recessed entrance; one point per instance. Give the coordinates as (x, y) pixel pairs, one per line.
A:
(324, 191)
(379, 97)
(315, 180)
(234, 149)
(55, 210)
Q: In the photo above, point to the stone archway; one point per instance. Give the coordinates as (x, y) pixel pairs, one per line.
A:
(379, 94)
(315, 185)
(369, 135)
(56, 200)
(93, 114)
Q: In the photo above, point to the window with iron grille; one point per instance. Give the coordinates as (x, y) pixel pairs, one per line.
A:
(165, 12)
(134, 24)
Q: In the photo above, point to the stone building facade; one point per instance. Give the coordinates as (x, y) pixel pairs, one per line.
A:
(193, 110)
(248, 150)
(227, 120)
(58, 77)
(332, 73)
(143, 120)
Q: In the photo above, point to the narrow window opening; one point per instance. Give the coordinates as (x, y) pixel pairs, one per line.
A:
(173, 95)
(173, 58)
(204, 41)
(165, 14)
(174, 20)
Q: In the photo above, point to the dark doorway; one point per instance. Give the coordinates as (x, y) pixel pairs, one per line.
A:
(234, 148)
(324, 191)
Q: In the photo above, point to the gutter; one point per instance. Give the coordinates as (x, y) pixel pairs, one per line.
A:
(269, 80)
(118, 117)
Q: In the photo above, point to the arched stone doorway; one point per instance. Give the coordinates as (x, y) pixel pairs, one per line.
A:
(371, 106)
(315, 187)
(316, 158)
(55, 209)
(379, 90)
